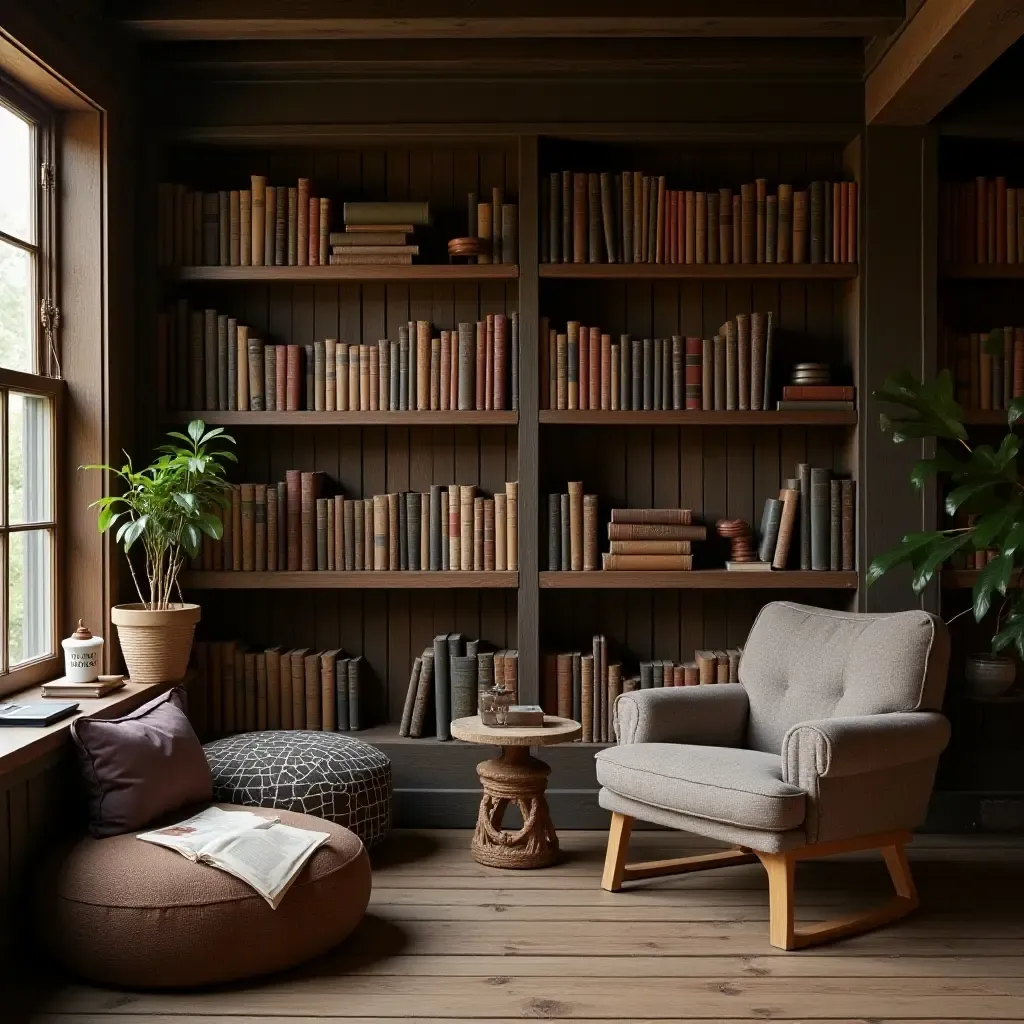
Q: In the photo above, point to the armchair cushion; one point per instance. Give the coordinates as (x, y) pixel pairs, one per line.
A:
(714, 716)
(744, 788)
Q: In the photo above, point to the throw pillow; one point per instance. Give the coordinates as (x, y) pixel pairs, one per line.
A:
(141, 767)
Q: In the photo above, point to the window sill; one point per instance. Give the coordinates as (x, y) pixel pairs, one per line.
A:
(21, 745)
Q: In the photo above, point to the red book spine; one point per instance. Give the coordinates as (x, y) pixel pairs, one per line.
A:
(606, 371)
(821, 393)
(293, 490)
(281, 376)
(294, 379)
(595, 368)
(500, 360)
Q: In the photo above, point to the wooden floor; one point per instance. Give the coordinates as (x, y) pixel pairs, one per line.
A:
(447, 939)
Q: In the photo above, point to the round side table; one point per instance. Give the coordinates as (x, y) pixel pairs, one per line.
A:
(519, 778)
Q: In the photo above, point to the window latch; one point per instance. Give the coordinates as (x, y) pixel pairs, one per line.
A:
(49, 318)
(47, 176)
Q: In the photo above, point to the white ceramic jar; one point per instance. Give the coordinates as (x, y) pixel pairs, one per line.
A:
(82, 653)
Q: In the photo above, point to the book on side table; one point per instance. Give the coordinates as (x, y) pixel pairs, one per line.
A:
(262, 852)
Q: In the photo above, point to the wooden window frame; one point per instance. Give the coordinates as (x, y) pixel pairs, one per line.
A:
(44, 381)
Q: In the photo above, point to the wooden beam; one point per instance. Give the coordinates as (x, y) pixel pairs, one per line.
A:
(465, 19)
(940, 51)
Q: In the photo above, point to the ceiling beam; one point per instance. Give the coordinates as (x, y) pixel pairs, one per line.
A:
(480, 19)
(944, 47)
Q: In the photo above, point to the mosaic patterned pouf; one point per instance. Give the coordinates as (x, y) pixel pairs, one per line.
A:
(327, 774)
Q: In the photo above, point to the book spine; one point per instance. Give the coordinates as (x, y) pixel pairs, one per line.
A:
(247, 498)
(258, 219)
(272, 529)
(513, 361)
(395, 533)
(835, 525)
(817, 222)
(579, 217)
(512, 524)
(256, 374)
(655, 531)
(748, 224)
(785, 234)
(804, 474)
(466, 366)
(849, 509)
(720, 372)
(307, 522)
(590, 532)
(707, 387)
(642, 563)
(755, 328)
(281, 206)
(744, 377)
(761, 220)
(787, 526)
(800, 226)
(292, 227)
(771, 228)
(322, 535)
(554, 532)
(466, 557)
(242, 368)
(293, 378)
(650, 547)
(410, 700)
(269, 377)
(236, 528)
(260, 527)
(820, 489)
(659, 516)
(554, 252)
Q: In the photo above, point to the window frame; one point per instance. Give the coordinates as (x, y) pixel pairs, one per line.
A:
(44, 381)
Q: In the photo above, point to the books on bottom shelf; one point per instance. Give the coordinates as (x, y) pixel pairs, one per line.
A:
(261, 852)
(584, 686)
(239, 690)
(447, 679)
(812, 523)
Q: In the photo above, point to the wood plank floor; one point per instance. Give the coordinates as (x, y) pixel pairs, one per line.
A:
(448, 940)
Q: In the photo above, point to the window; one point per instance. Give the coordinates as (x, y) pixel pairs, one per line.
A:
(30, 394)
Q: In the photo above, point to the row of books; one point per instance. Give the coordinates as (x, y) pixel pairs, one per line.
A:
(635, 218)
(584, 369)
(981, 222)
(241, 690)
(985, 380)
(260, 226)
(496, 226)
(811, 525)
(584, 686)
(638, 538)
(450, 674)
(292, 527)
(207, 360)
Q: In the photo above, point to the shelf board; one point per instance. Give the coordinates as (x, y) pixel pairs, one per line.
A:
(228, 580)
(984, 272)
(702, 271)
(422, 418)
(697, 418)
(985, 418)
(698, 579)
(964, 579)
(416, 272)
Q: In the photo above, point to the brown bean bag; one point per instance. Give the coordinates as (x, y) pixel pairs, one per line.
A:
(126, 913)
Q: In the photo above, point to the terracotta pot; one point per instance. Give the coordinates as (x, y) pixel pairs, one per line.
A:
(989, 675)
(156, 644)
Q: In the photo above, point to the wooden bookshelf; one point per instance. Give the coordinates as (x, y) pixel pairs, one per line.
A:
(697, 418)
(964, 579)
(404, 580)
(320, 275)
(986, 418)
(699, 579)
(421, 418)
(700, 271)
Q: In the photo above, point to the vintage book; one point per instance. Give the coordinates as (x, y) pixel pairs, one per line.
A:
(247, 501)
(259, 527)
(467, 527)
(257, 374)
(820, 392)
(707, 388)
(269, 377)
(771, 229)
(564, 544)
(554, 532)
(302, 223)
(500, 381)
(512, 524)
(655, 531)
(280, 226)
(770, 521)
(835, 525)
(819, 516)
(258, 208)
(210, 390)
(321, 533)
(396, 535)
(553, 254)
(748, 224)
(443, 690)
(424, 682)
(731, 365)
(464, 684)
(234, 227)
(293, 377)
(744, 380)
(650, 547)
(768, 333)
(590, 529)
(784, 252)
(720, 377)
(575, 525)
(610, 562)
(564, 689)
(404, 215)
(572, 362)
(725, 254)
(816, 202)
(297, 687)
(292, 229)
(662, 516)
(454, 532)
(787, 527)
(500, 531)
(487, 538)
(269, 222)
(803, 471)
(272, 527)
(849, 497)
(309, 491)
(800, 226)
(467, 366)
(761, 219)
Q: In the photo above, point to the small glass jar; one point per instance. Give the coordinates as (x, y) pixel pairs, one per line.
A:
(494, 705)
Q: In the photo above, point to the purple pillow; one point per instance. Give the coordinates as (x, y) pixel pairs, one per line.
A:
(141, 767)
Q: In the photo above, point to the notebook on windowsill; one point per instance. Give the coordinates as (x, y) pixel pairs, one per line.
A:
(35, 713)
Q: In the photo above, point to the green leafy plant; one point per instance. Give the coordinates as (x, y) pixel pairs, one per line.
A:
(168, 507)
(979, 480)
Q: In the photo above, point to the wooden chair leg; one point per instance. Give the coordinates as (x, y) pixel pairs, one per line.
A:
(615, 855)
(781, 870)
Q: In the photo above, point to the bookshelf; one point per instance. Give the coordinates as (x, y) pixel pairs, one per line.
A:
(719, 463)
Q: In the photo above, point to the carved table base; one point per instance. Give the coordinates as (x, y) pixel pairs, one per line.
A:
(518, 778)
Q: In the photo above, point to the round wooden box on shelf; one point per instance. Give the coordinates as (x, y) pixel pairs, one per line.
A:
(515, 778)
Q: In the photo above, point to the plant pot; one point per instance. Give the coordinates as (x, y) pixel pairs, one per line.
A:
(989, 675)
(156, 644)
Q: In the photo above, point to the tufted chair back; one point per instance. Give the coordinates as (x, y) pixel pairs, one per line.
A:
(802, 664)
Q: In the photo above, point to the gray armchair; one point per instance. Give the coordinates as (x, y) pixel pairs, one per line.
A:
(828, 744)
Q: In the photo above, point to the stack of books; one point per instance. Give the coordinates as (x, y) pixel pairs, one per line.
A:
(292, 526)
(378, 234)
(989, 367)
(584, 368)
(632, 217)
(814, 515)
(451, 673)
(240, 690)
(651, 539)
(810, 387)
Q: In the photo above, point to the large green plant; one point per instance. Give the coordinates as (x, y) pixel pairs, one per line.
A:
(979, 480)
(168, 506)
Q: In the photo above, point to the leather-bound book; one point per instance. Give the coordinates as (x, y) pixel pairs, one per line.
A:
(328, 690)
(209, 359)
(319, 376)
(627, 217)
(771, 228)
(748, 223)
(720, 372)
(423, 364)
(650, 547)
(211, 230)
(849, 497)
(607, 386)
(790, 498)
(301, 224)
(269, 378)
(223, 229)
(500, 359)
(257, 375)
(479, 382)
(281, 203)
(234, 227)
(576, 525)
(1018, 362)
(293, 378)
(309, 485)
(436, 527)
(700, 228)
(196, 360)
(236, 528)
(594, 369)
(257, 223)
(313, 232)
(554, 532)
(656, 531)
(364, 378)
(828, 222)
(348, 537)
(497, 201)
(322, 534)
(816, 202)
(259, 510)
(247, 677)
(566, 210)
(466, 531)
(563, 684)
(395, 532)
(623, 358)
(690, 237)
(488, 533)
(572, 364)
(645, 563)
(768, 333)
(713, 230)
(671, 220)
(643, 197)
(330, 349)
(800, 225)
(636, 373)
(273, 528)
(247, 498)
(838, 252)
(819, 515)
(652, 357)
(313, 702)
(851, 223)
(362, 554)
(325, 230)
(594, 230)
(466, 366)
(725, 251)
(579, 217)
(434, 376)
(292, 227)
(443, 687)
(583, 367)
(454, 528)
(554, 210)
(512, 524)
(424, 687)
(835, 525)
(639, 219)
(485, 400)
(653, 209)
(403, 533)
(707, 364)
(565, 539)
(743, 361)
(355, 683)
(587, 708)
(410, 699)
(761, 219)
(590, 530)
(500, 531)
(464, 685)
(803, 472)
(403, 368)
(721, 666)
(413, 529)
(269, 223)
(646, 675)
(785, 239)
(755, 328)
(607, 217)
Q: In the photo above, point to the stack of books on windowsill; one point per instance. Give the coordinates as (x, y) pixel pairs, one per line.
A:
(378, 234)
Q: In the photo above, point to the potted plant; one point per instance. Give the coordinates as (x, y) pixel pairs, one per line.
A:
(165, 509)
(982, 482)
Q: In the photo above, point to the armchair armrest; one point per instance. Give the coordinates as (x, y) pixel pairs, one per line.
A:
(839, 747)
(713, 716)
